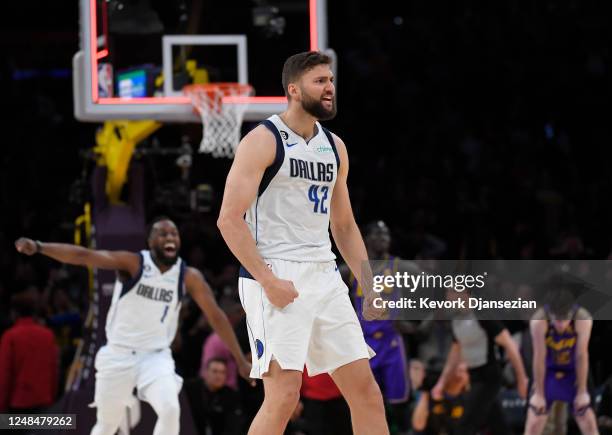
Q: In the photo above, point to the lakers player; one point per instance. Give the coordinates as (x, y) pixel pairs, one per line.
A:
(389, 365)
(141, 324)
(560, 334)
(289, 179)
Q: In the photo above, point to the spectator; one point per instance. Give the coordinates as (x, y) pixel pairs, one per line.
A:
(433, 416)
(28, 360)
(215, 348)
(215, 407)
(416, 369)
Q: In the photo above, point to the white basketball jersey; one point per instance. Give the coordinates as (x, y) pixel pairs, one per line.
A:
(289, 219)
(144, 310)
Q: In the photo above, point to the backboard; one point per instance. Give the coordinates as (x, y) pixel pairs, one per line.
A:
(136, 55)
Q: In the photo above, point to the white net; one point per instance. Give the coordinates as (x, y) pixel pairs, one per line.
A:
(221, 122)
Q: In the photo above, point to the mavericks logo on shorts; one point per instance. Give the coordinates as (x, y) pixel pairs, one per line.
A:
(260, 348)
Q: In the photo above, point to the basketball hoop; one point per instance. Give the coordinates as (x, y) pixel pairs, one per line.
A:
(221, 107)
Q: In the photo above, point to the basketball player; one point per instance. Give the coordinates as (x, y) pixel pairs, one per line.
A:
(389, 365)
(289, 178)
(141, 324)
(560, 366)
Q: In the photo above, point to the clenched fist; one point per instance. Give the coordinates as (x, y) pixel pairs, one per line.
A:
(280, 292)
(26, 246)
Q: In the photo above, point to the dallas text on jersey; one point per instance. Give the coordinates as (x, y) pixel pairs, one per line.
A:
(154, 293)
(308, 170)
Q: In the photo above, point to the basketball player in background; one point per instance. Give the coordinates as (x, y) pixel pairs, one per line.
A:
(389, 365)
(560, 334)
(141, 324)
(289, 178)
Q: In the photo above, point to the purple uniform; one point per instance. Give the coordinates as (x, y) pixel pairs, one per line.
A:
(560, 382)
(389, 364)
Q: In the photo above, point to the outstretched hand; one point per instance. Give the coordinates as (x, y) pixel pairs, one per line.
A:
(26, 246)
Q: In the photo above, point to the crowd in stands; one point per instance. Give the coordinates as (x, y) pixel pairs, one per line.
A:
(474, 133)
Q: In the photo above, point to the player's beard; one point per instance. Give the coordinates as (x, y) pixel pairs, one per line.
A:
(161, 256)
(314, 107)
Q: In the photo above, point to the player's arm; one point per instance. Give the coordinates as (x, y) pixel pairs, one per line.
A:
(346, 233)
(538, 338)
(254, 154)
(504, 340)
(201, 293)
(421, 413)
(583, 335)
(452, 360)
(79, 256)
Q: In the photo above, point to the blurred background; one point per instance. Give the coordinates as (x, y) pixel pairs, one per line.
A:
(475, 130)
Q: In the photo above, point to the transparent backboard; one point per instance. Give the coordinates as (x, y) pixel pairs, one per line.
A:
(137, 55)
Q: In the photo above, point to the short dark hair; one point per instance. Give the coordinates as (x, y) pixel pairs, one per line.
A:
(154, 221)
(300, 63)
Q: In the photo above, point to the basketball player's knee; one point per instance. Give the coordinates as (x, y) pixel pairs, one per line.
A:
(288, 400)
(367, 395)
(284, 393)
(586, 422)
(373, 396)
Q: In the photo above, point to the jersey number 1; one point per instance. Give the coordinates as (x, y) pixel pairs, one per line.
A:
(319, 201)
(165, 312)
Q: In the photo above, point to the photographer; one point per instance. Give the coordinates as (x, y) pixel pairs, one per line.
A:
(439, 417)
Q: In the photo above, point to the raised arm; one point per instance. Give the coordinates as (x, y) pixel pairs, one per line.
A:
(201, 293)
(347, 236)
(123, 261)
(254, 154)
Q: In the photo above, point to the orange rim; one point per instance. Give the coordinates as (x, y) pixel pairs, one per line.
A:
(227, 88)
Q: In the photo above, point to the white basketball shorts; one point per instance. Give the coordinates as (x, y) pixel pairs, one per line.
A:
(120, 369)
(319, 329)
